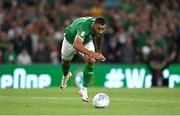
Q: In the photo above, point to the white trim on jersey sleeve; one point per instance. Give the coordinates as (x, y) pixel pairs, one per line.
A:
(78, 37)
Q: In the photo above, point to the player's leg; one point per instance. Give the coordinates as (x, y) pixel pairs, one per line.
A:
(89, 66)
(67, 53)
(66, 73)
(87, 72)
(87, 76)
(65, 67)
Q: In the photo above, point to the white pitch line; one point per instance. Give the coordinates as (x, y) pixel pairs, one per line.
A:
(148, 100)
(112, 99)
(49, 98)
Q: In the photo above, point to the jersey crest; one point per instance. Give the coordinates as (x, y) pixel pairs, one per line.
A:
(82, 33)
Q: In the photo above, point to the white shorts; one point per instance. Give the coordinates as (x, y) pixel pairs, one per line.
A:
(67, 50)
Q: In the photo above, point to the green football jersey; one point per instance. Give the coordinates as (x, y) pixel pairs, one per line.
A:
(80, 27)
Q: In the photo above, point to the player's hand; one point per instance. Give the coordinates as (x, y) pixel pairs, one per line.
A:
(95, 55)
(102, 58)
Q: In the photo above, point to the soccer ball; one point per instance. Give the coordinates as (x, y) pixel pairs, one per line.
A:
(101, 100)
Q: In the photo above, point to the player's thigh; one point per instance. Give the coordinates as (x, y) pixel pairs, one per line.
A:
(67, 50)
(90, 46)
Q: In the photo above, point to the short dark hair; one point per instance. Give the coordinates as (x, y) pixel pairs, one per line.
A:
(100, 20)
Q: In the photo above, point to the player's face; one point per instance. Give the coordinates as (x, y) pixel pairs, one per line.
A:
(99, 29)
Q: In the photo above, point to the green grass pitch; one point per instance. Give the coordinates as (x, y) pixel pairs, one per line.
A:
(53, 101)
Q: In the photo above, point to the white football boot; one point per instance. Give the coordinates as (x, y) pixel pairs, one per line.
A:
(83, 92)
(64, 80)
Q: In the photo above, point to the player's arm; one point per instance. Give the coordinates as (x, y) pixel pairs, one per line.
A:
(78, 45)
(99, 43)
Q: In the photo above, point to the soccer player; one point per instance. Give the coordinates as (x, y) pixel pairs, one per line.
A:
(84, 37)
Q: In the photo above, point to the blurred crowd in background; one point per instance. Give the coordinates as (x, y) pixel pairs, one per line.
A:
(139, 31)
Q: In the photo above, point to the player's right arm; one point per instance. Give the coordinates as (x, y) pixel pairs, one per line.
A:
(78, 45)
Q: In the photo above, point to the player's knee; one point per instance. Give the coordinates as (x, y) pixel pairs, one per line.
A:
(92, 61)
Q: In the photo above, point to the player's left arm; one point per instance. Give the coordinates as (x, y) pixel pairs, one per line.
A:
(99, 43)
(99, 40)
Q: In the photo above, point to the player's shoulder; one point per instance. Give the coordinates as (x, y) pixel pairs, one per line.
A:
(86, 19)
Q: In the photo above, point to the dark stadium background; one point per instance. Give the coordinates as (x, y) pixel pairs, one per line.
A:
(135, 28)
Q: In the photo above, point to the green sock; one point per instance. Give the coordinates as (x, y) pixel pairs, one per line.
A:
(88, 73)
(65, 67)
